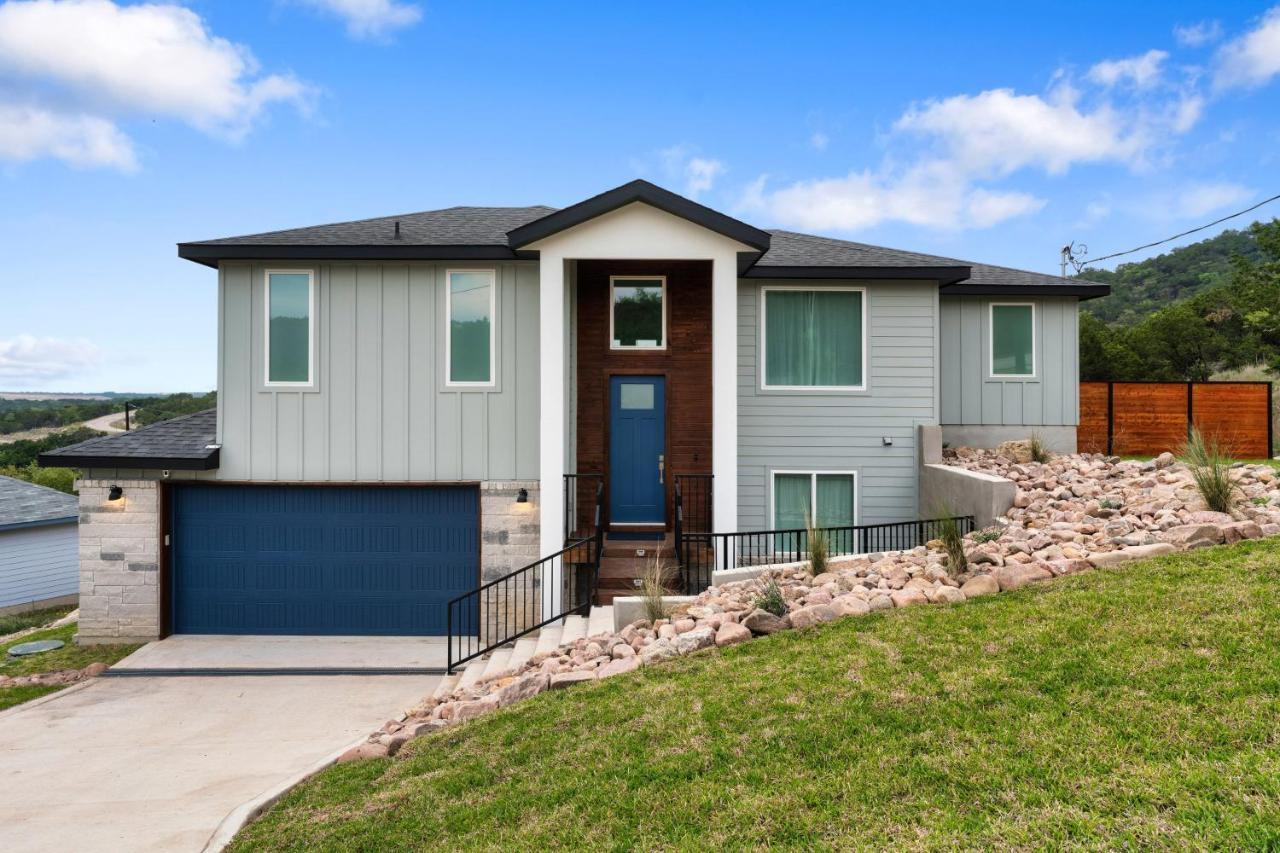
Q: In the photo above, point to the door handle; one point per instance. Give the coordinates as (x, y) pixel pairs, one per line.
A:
(662, 469)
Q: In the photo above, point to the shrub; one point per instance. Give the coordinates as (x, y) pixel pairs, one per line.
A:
(952, 540)
(1108, 503)
(1260, 500)
(1039, 451)
(988, 534)
(1211, 470)
(770, 599)
(654, 582)
(62, 479)
(819, 547)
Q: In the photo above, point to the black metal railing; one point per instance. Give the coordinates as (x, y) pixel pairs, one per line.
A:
(580, 493)
(693, 517)
(522, 602)
(703, 553)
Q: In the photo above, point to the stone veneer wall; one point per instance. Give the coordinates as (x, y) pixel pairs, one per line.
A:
(119, 562)
(509, 541)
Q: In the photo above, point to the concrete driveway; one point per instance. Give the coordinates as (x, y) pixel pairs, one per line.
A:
(156, 763)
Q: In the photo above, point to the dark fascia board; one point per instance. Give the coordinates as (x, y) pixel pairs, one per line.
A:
(1083, 291)
(173, 463)
(44, 522)
(210, 254)
(650, 194)
(943, 275)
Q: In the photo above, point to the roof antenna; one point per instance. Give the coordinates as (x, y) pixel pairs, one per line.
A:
(1069, 252)
(397, 229)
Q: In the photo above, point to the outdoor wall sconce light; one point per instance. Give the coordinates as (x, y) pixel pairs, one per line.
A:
(115, 494)
(886, 440)
(522, 496)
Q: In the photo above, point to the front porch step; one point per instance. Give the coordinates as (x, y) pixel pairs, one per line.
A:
(549, 638)
(600, 621)
(471, 674)
(497, 664)
(525, 648)
(574, 627)
(445, 687)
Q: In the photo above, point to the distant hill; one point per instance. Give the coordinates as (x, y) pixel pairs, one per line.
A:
(1140, 288)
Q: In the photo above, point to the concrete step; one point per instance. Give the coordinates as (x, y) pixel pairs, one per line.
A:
(471, 674)
(574, 627)
(497, 664)
(446, 685)
(600, 621)
(549, 638)
(525, 647)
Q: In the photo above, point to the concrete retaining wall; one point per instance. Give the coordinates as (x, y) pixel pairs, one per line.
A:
(946, 489)
(1059, 439)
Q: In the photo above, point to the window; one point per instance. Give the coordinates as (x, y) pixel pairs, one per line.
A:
(469, 345)
(813, 338)
(795, 494)
(1013, 339)
(290, 327)
(638, 312)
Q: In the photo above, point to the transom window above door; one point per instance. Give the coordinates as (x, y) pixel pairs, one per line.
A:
(813, 338)
(637, 312)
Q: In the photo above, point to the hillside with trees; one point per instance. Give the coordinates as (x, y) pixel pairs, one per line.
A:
(1227, 319)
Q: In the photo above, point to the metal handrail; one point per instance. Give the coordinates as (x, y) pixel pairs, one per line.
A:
(571, 494)
(519, 603)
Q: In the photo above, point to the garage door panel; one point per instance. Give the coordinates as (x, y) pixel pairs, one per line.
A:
(321, 559)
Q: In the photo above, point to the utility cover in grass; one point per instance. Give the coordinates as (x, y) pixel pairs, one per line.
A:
(35, 648)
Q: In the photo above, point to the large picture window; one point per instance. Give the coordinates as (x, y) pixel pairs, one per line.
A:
(290, 328)
(1013, 339)
(469, 345)
(638, 312)
(797, 494)
(813, 338)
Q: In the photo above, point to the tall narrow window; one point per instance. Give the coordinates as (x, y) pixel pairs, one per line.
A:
(470, 345)
(813, 338)
(290, 305)
(638, 318)
(1013, 339)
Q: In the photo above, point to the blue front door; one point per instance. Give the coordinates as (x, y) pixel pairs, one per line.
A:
(637, 448)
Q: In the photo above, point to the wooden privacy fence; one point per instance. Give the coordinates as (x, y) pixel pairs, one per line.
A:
(1146, 418)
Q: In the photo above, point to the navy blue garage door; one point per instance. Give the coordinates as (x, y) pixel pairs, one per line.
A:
(321, 559)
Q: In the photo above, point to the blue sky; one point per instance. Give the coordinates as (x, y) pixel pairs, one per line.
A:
(958, 129)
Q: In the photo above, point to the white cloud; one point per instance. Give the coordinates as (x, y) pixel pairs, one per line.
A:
(681, 166)
(701, 174)
(1205, 198)
(1141, 71)
(819, 141)
(1252, 59)
(28, 132)
(1198, 34)
(370, 18)
(27, 360)
(98, 60)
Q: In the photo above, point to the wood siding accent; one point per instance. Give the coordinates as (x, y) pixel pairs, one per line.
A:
(686, 364)
(842, 431)
(1147, 418)
(39, 563)
(971, 397)
(380, 410)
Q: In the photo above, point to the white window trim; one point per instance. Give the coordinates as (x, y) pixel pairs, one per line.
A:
(813, 490)
(311, 329)
(613, 279)
(763, 363)
(493, 329)
(991, 342)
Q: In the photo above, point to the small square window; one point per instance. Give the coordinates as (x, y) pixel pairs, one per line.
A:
(812, 338)
(638, 312)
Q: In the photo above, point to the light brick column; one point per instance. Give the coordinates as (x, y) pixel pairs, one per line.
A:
(509, 534)
(119, 562)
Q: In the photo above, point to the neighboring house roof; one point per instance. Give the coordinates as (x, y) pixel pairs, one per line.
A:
(182, 444)
(24, 504)
(497, 233)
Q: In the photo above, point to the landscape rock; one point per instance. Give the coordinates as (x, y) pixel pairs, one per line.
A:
(1019, 575)
(692, 641)
(980, 585)
(763, 622)
(731, 633)
(806, 616)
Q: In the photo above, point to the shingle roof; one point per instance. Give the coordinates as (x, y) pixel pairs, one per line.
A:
(183, 444)
(461, 233)
(24, 504)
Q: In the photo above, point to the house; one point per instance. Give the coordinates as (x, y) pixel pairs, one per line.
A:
(39, 556)
(411, 405)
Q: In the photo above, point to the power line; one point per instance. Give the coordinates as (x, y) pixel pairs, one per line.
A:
(1079, 265)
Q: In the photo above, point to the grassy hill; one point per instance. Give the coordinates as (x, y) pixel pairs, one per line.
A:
(1139, 288)
(1135, 708)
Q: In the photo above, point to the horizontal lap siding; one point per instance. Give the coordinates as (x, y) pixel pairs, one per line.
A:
(969, 396)
(817, 432)
(381, 411)
(38, 563)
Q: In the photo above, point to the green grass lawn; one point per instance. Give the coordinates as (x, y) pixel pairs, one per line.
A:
(69, 656)
(1137, 707)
